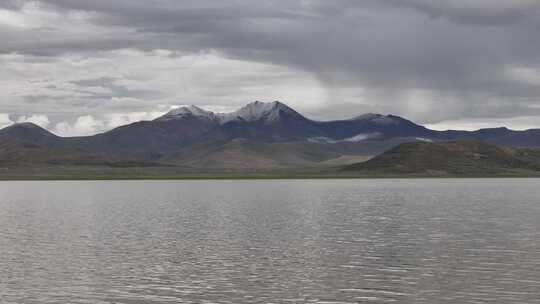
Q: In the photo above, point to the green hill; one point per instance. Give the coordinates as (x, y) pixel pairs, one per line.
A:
(451, 158)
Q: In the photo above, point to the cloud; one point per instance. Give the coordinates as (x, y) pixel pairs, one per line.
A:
(38, 119)
(480, 12)
(430, 61)
(118, 119)
(69, 86)
(518, 123)
(84, 125)
(90, 125)
(5, 120)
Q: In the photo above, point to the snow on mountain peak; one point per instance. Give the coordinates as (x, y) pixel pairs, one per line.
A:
(187, 111)
(269, 111)
(255, 110)
(378, 119)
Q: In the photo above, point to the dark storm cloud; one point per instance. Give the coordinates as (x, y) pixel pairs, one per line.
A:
(9, 4)
(479, 12)
(471, 58)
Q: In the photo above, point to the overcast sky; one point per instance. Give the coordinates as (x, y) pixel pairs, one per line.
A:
(79, 67)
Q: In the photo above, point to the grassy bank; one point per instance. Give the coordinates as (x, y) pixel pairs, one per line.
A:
(157, 173)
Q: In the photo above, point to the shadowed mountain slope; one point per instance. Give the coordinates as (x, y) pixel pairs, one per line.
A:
(29, 132)
(16, 153)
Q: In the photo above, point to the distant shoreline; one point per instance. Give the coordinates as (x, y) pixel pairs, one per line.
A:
(168, 173)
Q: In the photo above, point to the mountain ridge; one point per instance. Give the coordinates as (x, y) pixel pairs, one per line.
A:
(253, 132)
(246, 113)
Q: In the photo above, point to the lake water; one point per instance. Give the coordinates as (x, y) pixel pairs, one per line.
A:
(316, 241)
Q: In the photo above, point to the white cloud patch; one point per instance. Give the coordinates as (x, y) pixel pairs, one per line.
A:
(116, 120)
(91, 125)
(5, 120)
(38, 119)
(527, 75)
(84, 125)
(517, 123)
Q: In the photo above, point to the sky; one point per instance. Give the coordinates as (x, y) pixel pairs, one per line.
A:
(80, 67)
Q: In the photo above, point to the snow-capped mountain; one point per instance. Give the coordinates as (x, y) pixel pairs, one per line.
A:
(261, 121)
(256, 111)
(187, 111)
(257, 122)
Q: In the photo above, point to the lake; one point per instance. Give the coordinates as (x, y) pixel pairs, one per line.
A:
(271, 241)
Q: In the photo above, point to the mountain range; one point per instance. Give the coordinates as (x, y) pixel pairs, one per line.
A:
(257, 135)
